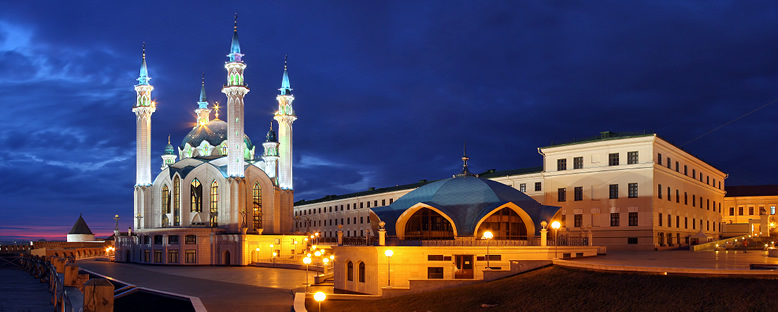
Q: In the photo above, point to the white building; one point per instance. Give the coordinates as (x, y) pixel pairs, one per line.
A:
(221, 203)
(630, 190)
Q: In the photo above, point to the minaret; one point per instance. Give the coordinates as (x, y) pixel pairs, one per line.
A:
(169, 155)
(143, 109)
(235, 90)
(202, 111)
(285, 117)
(271, 153)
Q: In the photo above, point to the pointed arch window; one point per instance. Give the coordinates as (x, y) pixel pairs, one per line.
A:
(257, 205)
(361, 272)
(165, 200)
(196, 193)
(176, 201)
(214, 216)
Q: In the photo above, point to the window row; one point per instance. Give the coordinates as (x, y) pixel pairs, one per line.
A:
(523, 187)
(762, 211)
(614, 159)
(669, 218)
(669, 163)
(703, 202)
(613, 192)
(171, 239)
(615, 219)
(190, 256)
(360, 273)
(310, 211)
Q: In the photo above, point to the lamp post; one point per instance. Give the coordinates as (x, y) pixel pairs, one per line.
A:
(319, 297)
(555, 225)
(388, 253)
(307, 261)
(487, 236)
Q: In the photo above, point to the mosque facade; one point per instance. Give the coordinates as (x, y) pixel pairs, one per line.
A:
(219, 198)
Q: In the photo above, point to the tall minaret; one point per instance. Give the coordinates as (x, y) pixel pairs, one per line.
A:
(235, 89)
(143, 109)
(271, 153)
(202, 111)
(285, 117)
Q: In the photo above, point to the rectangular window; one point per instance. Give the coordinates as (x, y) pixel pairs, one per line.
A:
(613, 159)
(694, 173)
(157, 256)
(633, 190)
(669, 163)
(659, 191)
(537, 187)
(685, 198)
(561, 164)
(578, 193)
(685, 222)
(190, 239)
(361, 205)
(633, 219)
(677, 196)
(190, 256)
(383, 202)
(613, 191)
(158, 240)
(172, 256)
(391, 200)
(523, 187)
(669, 220)
(577, 162)
(694, 224)
(578, 219)
(632, 158)
(669, 197)
(739, 211)
(772, 210)
(614, 219)
(435, 273)
(678, 221)
(561, 194)
(632, 240)
(434, 257)
(172, 240)
(677, 167)
(147, 255)
(659, 159)
(685, 170)
(750, 211)
(731, 211)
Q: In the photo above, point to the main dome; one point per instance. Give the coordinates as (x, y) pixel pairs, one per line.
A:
(214, 132)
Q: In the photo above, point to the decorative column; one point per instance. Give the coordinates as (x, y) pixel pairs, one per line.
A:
(143, 109)
(285, 117)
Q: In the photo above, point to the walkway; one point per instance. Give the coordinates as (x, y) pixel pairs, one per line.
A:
(219, 288)
(20, 291)
(678, 261)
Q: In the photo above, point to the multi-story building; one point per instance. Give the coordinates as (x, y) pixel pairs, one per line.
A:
(749, 210)
(624, 190)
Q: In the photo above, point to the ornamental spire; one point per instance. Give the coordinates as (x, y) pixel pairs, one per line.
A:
(465, 171)
(143, 77)
(286, 88)
(203, 103)
(235, 55)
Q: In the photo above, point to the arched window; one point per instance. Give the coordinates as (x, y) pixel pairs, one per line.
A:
(214, 219)
(504, 224)
(350, 271)
(361, 272)
(196, 192)
(257, 201)
(428, 224)
(176, 201)
(165, 201)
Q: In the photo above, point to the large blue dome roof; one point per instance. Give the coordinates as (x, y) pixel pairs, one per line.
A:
(466, 200)
(215, 132)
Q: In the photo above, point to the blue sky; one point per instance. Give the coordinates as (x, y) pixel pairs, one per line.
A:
(386, 92)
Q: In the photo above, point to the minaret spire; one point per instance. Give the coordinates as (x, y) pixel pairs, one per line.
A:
(285, 117)
(143, 77)
(203, 112)
(465, 170)
(235, 89)
(143, 109)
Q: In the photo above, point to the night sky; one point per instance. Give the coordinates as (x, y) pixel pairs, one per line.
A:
(386, 91)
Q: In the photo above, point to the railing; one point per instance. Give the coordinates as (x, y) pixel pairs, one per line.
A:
(44, 270)
(467, 241)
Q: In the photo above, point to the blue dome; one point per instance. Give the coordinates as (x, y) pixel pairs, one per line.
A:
(466, 200)
(215, 132)
(271, 136)
(170, 150)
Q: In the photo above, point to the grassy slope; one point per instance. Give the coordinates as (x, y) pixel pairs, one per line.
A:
(561, 289)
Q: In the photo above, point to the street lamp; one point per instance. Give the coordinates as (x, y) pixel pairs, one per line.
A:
(307, 261)
(487, 236)
(319, 297)
(388, 253)
(555, 225)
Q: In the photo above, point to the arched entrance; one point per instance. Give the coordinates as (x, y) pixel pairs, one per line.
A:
(504, 224)
(226, 257)
(428, 224)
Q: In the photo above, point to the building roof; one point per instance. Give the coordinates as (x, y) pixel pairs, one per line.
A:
(604, 136)
(751, 190)
(466, 200)
(215, 132)
(80, 227)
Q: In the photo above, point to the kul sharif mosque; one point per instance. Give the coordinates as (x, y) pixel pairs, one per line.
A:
(216, 198)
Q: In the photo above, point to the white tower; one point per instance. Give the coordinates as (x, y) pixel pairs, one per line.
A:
(143, 109)
(285, 117)
(235, 90)
(169, 155)
(271, 154)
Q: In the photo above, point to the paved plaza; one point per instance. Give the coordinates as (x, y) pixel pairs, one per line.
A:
(20, 291)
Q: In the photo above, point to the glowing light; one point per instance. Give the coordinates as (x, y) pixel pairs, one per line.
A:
(307, 260)
(325, 260)
(388, 253)
(257, 249)
(275, 254)
(317, 253)
(319, 296)
(488, 235)
(309, 255)
(556, 225)
(271, 245)
(332, 257)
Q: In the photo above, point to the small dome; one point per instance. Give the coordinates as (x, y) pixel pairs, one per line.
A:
(170, 150)
(215, 132)
(271, 136)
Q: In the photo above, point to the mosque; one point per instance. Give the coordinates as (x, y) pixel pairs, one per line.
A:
(249, 208)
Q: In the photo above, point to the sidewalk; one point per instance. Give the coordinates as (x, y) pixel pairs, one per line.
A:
(20, 291)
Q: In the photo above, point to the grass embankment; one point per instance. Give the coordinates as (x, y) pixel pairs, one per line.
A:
(562, 289)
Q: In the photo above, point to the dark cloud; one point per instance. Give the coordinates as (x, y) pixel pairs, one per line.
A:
(386, 93)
